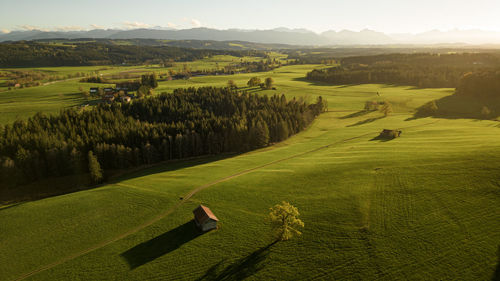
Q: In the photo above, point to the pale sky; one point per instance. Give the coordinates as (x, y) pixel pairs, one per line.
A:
(390, 16)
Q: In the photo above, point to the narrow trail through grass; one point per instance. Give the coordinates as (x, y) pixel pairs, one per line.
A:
(188, 196)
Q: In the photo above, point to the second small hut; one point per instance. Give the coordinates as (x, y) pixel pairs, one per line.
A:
(390, 134)
(204, 218)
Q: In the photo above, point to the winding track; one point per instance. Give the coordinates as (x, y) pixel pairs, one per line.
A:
(187, 197)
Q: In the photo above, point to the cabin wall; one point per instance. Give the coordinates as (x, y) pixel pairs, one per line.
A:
(210, 224)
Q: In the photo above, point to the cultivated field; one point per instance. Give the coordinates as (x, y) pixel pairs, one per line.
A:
(425, 206)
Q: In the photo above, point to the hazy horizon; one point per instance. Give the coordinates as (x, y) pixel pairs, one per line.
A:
(388, 16)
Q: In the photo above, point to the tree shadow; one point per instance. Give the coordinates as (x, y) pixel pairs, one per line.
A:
(241, 269)
(460, 107)
(381, 139)
(366, 121)
(59, 185)
(9, 206)
(326, 84)
(496, 274)
(170, 165)
(356, 114)
(161, 245)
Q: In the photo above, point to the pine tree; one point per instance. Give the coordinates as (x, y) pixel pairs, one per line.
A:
(94, 169)
(259, 134)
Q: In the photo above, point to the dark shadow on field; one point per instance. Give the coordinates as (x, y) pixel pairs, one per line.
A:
(460, 107)
(58, 186)
(9, 206)
(171, 165)
(496, 274)
(254, 90)
(319, 83)
(381, 139)
(356, 114)
(382, 85)
(241, 269)
(366, 121)
(161, 245)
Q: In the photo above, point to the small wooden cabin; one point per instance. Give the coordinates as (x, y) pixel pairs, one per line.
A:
(390, 134)
(204, 218)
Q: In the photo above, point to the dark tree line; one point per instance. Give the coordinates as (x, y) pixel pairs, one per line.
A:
(190, 122)
(33, 54)
(421, 70)
(481, 84)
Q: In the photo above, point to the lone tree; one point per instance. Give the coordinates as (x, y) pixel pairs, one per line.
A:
(386, 108)
(254, 81)
(94, 168)
(284, 218)
(231, 84)
(269, 83)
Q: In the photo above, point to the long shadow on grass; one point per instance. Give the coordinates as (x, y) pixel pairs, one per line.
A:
(9, 206)
(496, 275)
(58, 186)
(460, 107)
(366, 121)
(241, 269)
(381, 139)
(356, 114)
(172, 165)
(320, 83)
(161, 245)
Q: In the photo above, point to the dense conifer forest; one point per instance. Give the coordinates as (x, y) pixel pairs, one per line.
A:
(188, 123)
(482, 84)
(33, 54)
(420, 70)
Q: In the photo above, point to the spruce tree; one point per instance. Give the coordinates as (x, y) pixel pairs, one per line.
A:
(94, 169)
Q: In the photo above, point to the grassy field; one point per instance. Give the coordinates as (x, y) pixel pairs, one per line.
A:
(52, 97)
(425, 206)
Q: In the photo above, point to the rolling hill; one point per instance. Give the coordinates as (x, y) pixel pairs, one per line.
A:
(424, 206)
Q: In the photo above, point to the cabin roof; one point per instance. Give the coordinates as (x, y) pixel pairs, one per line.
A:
(203, 213)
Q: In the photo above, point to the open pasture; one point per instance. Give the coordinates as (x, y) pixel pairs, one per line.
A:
(53, 96)
(425, 206)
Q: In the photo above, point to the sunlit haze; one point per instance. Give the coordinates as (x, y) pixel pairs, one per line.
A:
(390, 16)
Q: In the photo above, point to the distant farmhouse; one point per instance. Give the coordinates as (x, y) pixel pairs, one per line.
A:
(204, 218)
(112, 94)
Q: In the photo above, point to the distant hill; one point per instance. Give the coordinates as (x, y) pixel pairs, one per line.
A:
(272, 36)
(194, 44)
(364, 37)
(101, 52)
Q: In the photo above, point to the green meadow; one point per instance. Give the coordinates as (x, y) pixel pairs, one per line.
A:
(425, 206)
(50, 98)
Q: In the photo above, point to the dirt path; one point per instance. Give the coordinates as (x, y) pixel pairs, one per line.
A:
(187, 197)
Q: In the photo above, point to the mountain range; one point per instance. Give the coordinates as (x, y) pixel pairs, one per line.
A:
(281, 35)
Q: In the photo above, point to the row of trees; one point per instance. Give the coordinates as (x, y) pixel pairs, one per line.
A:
(421, 70)
(33, 54)
(32, 78)
(189, 122)
(253, 82)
